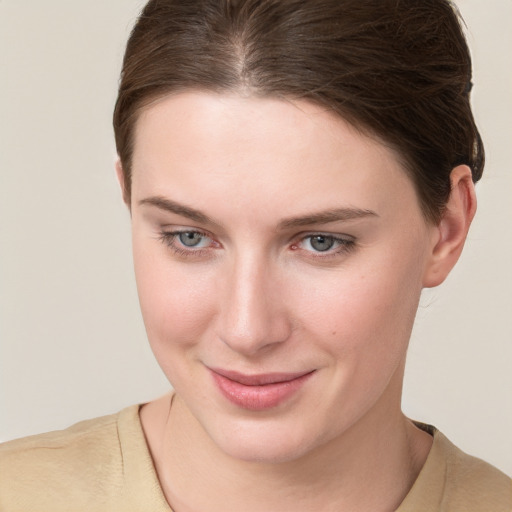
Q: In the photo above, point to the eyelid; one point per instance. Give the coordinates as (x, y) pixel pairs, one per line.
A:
(336, 236)
(346, 243)
(174, 229)
(168, 235)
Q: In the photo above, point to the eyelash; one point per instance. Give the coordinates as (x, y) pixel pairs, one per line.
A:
(168, 238)
(345, 246)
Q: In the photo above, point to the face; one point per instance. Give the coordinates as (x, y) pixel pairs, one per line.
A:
(279, 257)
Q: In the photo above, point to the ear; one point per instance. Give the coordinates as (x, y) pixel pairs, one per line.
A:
(450, 234)
(122, 183)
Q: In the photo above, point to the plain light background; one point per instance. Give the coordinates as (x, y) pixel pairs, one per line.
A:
(72, 342)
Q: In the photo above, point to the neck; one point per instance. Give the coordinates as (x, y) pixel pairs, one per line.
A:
(382, 451)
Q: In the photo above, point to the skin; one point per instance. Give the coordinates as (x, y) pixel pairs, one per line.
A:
(256, 296)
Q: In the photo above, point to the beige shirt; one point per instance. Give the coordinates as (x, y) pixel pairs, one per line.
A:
(104, 465)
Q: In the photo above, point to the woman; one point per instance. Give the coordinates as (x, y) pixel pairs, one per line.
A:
(296, 172)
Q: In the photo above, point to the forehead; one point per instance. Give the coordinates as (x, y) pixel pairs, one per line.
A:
(212, 145)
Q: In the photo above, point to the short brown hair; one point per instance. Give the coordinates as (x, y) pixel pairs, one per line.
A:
(396, 69)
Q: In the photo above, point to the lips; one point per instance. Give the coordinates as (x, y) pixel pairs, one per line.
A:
(258, 392)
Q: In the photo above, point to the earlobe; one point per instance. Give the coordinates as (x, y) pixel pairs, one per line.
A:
(121, 180)
(451, 232)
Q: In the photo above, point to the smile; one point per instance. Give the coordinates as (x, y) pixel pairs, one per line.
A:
(258, 392)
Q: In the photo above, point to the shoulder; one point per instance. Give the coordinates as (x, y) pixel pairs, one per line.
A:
(63, 465)
(473, 483)
(453, 481)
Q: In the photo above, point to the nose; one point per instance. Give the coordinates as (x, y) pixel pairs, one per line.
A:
(252, 312)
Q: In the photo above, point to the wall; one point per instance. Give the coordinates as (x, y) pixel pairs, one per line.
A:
(72, 343)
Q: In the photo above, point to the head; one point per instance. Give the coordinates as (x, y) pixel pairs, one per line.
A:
(398, 71)
(297, 172)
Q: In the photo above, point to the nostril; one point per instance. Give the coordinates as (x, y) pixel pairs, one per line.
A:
(249, 332)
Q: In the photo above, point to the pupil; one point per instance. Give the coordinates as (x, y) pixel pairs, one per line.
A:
(322, 243)
(190, 239)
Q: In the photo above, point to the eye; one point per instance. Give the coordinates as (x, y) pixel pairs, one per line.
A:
(323, 245)
(193, 239)
(188, 242)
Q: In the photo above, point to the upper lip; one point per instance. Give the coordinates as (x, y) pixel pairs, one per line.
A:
(259, 379)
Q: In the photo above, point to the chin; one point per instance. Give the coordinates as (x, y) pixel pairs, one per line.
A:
(264, 443)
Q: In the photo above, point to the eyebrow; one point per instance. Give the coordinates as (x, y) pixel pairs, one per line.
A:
(326, 216)
(171, 206)
(323, 217)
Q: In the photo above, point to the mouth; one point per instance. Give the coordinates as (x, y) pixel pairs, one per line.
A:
(258, 392)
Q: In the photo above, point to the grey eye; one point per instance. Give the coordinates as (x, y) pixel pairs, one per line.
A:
(190, 238)
(321, 243)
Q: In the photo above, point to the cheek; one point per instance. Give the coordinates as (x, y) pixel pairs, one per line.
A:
(368, 310)
(176, 305)
(360, 324)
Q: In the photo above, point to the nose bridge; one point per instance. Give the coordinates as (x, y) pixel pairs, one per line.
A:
(252, 314)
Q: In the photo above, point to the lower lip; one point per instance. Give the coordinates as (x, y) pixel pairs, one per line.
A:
(258, 398)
